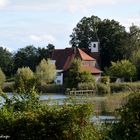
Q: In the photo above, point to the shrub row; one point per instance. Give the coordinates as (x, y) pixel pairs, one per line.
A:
(51, 88)
(99, 88)
(49, 123)
(125, 87)
(102, 89)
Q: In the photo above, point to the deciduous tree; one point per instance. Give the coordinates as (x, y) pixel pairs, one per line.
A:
(45, 72)
(109, 33)
(24, 78)
(122, 69)
(6, 61)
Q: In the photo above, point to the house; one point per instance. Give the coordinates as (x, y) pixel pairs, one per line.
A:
(63, 59)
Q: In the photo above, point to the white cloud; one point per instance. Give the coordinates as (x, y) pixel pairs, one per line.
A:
(3, 3)
(129, 20)
(61, 5)
(79, 5)
(41, 38)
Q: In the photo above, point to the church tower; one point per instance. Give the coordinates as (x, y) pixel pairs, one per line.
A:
(95, 51)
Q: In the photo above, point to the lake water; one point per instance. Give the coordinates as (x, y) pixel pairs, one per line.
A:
(60, 98)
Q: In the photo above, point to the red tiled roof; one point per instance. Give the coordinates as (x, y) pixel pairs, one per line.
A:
(64, 58)
(90, 69)
(85, 56)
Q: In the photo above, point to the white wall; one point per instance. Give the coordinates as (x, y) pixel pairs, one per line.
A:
(59, 77)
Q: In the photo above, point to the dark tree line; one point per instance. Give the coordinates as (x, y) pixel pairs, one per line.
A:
(116, 43)
(29, 56)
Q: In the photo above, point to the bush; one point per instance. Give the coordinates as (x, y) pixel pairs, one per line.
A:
(51, 88)
(103, 89)
(24, 78)
(87, 86)
(8, 86)
(66, 122)
(122, 69)
(125, 87)
(105, 80)
(45, 72)
(2, 78)
(128, 127)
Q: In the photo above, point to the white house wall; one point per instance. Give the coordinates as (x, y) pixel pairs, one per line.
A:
(59, 77)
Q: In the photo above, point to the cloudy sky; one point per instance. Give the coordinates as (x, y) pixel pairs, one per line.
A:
(39, 22)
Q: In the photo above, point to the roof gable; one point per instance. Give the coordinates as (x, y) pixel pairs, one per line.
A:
(64, 57)
(85, 56)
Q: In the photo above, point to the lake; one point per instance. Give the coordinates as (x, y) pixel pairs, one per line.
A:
(60, 98)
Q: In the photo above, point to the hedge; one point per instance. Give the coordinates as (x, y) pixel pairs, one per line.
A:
(125, 87)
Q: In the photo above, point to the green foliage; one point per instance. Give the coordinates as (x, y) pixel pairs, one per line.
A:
(26, 57)
(27, 119)
(2, 78)
(24, 78)
(103, 89)
(129, 125)
(45, 72)
(87, 85)
(6, 61)
(132, 43)
(86, 77)
(105, 80)
(24, 100)
(109, 32)
(135, 58)
(75, 75)
(85, 32)
(8, 86)
(111, 36)
(44, 53)
(122, 69)
(125, 87)
(51, 88)
(30, 56)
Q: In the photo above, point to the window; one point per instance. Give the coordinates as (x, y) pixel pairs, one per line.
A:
(94, 45)
(58, 81)
(58, 74)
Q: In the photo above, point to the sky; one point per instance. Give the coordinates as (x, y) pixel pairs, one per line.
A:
(39, 22)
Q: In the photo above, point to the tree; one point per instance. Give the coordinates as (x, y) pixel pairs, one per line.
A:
(135, 59)
(24, 78)
(50, 48)
(85, 32)
(45, 72)
(26, 57)
(122, 69)
(132, 47)
(109, 33)
(75, 75)
(129, 123)
(2, 78)
(86, 77)
(6, 61)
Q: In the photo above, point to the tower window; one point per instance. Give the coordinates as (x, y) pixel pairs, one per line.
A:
(94, 45)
